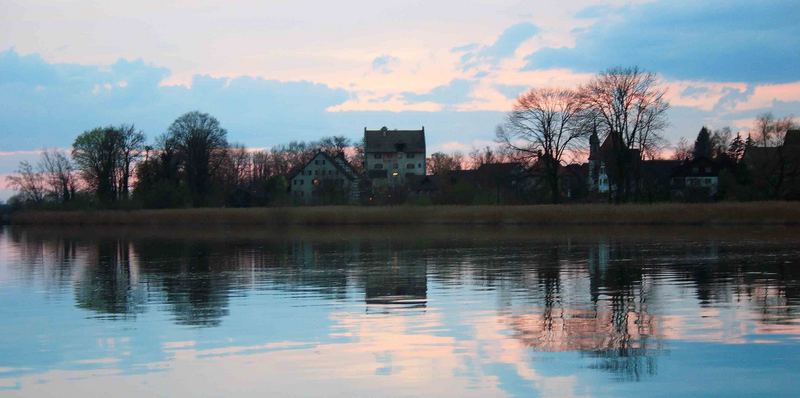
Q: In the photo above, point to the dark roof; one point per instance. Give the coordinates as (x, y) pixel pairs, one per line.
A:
(339, 162)
(792, 138)
(385, 140)
(702, 167)
(660, 169)
(500, 170)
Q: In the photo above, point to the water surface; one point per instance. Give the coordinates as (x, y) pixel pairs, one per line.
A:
(400, 312)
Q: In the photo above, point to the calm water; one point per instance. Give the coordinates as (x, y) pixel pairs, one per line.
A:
(377, 312)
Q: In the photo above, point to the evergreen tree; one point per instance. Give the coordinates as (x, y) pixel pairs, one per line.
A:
(702, 145)
(736, 148)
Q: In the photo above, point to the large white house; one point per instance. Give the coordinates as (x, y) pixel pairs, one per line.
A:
(392, 155)
(325, 180)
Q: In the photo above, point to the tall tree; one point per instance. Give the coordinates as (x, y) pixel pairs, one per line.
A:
(543, 125)
(702, 145)
(96, 154)
(131, 147)
(58, 174)
(736, 148)
(631, 107)
(199, 142)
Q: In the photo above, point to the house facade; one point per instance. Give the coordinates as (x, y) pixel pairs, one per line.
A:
(696, 179)
(390, 156)
(325, 180)
(598, 177)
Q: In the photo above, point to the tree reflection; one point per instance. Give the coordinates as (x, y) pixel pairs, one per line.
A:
(604, 296)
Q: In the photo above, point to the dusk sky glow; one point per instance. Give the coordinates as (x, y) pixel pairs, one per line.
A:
(277, 71)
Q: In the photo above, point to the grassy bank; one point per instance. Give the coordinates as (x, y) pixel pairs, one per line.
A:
(753, 213)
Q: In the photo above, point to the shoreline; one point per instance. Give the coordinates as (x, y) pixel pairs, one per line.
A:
(663, 214)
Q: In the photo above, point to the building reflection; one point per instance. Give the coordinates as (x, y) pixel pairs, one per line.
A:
(612, 299)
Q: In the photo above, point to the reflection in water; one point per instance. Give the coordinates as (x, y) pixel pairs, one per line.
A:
(623, 303)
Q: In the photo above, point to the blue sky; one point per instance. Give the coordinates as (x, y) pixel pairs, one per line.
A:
(273, 72)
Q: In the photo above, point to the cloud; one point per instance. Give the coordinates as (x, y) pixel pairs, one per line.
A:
(504, 47)
(734, 40)
(383, 63)
(49, 104)
(455, 92)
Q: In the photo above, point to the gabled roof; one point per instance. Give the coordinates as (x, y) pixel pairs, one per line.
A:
(792, 138)
(339, 162)
(385, 140)
(702, 167)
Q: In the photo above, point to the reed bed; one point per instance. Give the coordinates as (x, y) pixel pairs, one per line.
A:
(750, 213)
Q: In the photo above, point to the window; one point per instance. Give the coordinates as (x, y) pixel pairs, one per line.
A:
(419, 165)
(395, 166)
(294, 182)
(410, 166)
(410, 155)
(316, 172)
(302, 182)
(316, 161)
(377, 156)
(309, 172)
(378, 166)
(323, 161)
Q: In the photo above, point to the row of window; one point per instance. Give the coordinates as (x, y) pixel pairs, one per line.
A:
(379, 166)
(320, 172)
(316, 181)
(390, 155)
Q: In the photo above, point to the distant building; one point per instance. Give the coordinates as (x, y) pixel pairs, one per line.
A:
(491, 183)
(325, 180)
(696, 179)
(597, 176)
(392, 155)
(776, 169)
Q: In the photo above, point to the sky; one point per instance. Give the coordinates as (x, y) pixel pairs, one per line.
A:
(276, 71)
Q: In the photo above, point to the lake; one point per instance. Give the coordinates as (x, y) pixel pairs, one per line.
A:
(445, 312)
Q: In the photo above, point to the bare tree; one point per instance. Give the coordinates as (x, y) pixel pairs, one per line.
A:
(334, 146)
(631, 107)
(683, 150)
(131, 146)
(770, 130)
(59, 175)
(28, 182)
(544, 125)
(442, 163)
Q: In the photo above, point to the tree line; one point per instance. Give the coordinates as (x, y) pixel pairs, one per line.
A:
(194, 165)
(191, 165)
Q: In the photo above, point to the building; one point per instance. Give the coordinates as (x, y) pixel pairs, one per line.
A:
(392, 155)
(491, 183)
(776, 169)
(696, 180)
(598, 181)
(325, 180)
